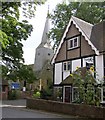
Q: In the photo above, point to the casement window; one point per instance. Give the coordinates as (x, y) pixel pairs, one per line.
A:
(101, 93)
(67, 66)
(64, 66)
(73, 43)
(75, 94)
(89, 65)
(89, 62)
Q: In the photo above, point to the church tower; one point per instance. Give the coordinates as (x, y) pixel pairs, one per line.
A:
(44, 51)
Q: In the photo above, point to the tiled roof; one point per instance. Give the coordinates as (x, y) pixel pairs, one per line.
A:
(98, 36)
(95, 33)
(85, 26)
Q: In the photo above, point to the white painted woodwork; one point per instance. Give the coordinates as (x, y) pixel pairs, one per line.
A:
(58, 73)
(75, 64)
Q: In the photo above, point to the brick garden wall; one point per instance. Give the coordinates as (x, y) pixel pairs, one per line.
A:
(3, 96)
(66, 108)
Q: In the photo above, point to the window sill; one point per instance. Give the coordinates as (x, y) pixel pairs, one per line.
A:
(72, 48)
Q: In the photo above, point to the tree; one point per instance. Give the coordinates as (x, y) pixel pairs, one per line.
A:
(14, 31)
(92, 12)
(13, 9)
(24, 73)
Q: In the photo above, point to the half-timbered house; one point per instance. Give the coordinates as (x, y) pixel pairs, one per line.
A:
(82, 45)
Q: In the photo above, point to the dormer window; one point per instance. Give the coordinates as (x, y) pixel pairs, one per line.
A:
(73, 43)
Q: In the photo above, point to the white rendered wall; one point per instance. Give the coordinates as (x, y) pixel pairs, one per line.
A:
(66, 74)
(58, 73)
(75, 64)
(99, 67)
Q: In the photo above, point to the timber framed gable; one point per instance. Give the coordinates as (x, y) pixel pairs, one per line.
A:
(75, 27)
(73, 45)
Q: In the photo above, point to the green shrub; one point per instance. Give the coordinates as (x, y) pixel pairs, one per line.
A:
(12, 95)
(88, 87)
(46, 93)
(36, 95)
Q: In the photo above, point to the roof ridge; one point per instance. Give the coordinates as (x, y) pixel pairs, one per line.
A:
(73, 17)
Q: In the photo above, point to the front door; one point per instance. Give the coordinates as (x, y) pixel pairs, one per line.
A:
(68, 94)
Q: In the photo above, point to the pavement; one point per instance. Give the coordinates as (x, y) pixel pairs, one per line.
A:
(17, 109)
(14, 103)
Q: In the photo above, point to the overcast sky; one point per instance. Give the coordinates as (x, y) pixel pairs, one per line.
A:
(38, 23)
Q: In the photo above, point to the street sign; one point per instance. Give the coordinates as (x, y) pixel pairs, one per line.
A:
(15, 85)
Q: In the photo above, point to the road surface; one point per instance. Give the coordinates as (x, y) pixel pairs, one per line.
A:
(17, 109)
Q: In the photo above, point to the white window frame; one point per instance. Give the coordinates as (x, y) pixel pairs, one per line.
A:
(73, 93)
(67, 66)
(73, 39)
(64, 63)
(101, 93)
(102, 96)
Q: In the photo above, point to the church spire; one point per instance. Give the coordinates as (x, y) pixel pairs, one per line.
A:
(44, 51)
(45, 38)
(48, 12)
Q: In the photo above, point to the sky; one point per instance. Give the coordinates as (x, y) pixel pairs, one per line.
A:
(38, 23)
